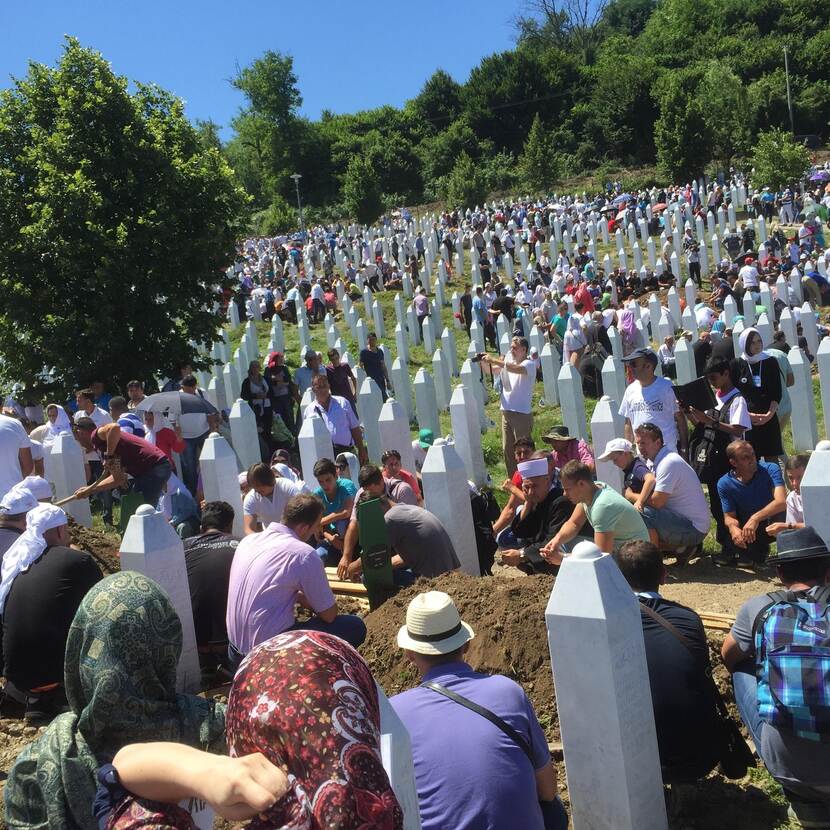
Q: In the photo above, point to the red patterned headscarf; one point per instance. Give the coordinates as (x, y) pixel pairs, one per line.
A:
(307, 701)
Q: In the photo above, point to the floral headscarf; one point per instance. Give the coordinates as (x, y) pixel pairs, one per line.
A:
(307, 701)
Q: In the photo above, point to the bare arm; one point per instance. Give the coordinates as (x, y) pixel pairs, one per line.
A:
(641, 499)
(349, 545)
(604, 540)
(24, 458)
(546, 782)
(629, 431)
(731, 653)
(250, 524)
(111, 434)
(236, 788)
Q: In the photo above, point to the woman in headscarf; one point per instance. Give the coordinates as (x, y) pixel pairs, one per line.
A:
(162, 434)
(628, 332)
(757, 377)
(307, 702)
(57, 423)
(122, 654)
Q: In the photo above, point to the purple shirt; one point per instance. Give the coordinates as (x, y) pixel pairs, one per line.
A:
(268, 571)
(469, 774)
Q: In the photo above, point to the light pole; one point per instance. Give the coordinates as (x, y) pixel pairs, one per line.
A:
(789, 98)
(297, 177)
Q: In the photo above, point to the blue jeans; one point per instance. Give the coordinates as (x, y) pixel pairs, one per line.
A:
(190, 461)
(151, 483)
(673, 530)
(807, 801)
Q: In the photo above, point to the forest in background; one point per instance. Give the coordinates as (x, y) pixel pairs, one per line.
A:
(682, 86)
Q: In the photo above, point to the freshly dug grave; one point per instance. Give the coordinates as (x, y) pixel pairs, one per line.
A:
(102, 546)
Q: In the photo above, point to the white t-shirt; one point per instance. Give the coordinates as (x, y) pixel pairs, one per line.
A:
(13, 438)
(795, 507)
(655, 403)
(749, 276)
(269, 509)
(193, 425)
(517, 390)
(100, 418)
(675, 477)
(738, 414)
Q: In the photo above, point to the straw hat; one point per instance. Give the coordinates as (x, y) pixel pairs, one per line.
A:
(433, 625)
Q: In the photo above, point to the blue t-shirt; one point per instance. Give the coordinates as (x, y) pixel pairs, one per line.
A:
(346, 490)
(452, 746)
(744, 499)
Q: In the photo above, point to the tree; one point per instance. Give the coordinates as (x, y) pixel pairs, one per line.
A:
(270, 86)
(361, 191)
(537, 163)
(465, 184)
(117, 225)
(778, 159)
(439, 101)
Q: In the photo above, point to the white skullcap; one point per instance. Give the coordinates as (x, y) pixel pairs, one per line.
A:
(37, 486)
(17, 500)
(533, 468)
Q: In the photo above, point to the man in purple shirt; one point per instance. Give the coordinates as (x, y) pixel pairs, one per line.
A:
(470, 774)
(275, 569)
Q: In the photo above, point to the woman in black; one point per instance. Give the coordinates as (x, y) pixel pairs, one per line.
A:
(278, 378)
(758, 379)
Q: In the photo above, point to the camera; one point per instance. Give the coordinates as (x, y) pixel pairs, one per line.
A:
(477, 358)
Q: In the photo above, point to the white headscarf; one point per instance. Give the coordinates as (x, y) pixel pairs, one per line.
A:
(18, 500)
(39, 487)
(756, 358)
(61, 425)
(29, 546)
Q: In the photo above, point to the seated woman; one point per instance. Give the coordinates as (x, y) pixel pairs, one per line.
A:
(122, 654)
(329, 749)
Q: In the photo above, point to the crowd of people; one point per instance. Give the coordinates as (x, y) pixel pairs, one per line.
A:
(123, 748)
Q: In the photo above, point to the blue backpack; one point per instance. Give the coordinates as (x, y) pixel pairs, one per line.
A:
(792, 662)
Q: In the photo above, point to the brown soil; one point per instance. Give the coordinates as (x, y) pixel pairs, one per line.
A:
(102, 546)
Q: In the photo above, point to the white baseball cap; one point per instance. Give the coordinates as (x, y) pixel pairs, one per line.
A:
(616, 445)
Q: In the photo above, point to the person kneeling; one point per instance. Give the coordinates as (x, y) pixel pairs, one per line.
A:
(678, 669)
(275, 569)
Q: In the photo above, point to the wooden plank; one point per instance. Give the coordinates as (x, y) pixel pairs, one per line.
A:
(352, 589)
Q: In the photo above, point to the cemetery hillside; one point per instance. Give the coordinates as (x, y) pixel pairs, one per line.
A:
(456, 463)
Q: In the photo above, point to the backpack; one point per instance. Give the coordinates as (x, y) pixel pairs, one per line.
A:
(792, 663)
(707, 448)
(590, 367)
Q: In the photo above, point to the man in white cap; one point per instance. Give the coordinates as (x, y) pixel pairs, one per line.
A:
(39, 487)
(481, 759)
(638, 480)
(13, 509)
(40, 571)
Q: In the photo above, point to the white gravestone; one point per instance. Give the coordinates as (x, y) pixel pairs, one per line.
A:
(551, 364)
(448, 347)
(447, 496)
(684, 361)
(787, 324)
(66, 473)
(314, 443)
(426, 406)
(441, 377)
(613, 378)
(377, 316)
(808, 325)
(401, 343)
(603, 696)
(403, 387)
(370, 402)
(230, 379)
(607, 424)
(151, 547)
(823, 362)
(429, 338)
(764, 329)
(467, 434)
(572, 401)
(393, 424)
(220, 469)
(749, 310)
(804, 427)
(244, 434)
(471, 377)
(396, 755)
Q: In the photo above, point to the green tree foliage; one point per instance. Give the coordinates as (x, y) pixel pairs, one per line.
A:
(117, 222)
(687, 85)
(778, 159)
(361, 191)
(537, 163)
(465, 185)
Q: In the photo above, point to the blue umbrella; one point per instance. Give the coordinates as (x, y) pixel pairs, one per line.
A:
(623, 197)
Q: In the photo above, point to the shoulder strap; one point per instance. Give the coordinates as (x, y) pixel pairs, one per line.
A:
(774, 598)
(505, 727)
(661, 620)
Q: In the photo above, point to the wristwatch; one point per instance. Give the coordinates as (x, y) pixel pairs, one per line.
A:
(522, 557)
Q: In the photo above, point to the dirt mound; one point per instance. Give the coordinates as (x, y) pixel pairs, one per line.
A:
(508, 617)
(102, 546)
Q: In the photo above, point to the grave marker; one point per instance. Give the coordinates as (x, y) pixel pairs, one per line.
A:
(370, 402)
(572, 401)
(466, 430)
(244, 435)
(220, 469)
(426, 406)
(66, 473)
(393, 425)
(805, 430)
(606, 424)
